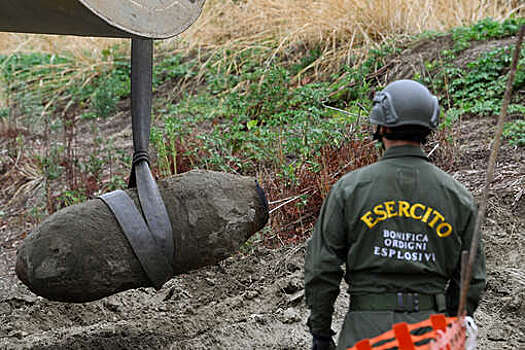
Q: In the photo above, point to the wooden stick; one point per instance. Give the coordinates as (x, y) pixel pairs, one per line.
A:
(464, 263)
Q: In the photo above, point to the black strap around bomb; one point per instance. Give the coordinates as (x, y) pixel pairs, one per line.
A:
(149, 234)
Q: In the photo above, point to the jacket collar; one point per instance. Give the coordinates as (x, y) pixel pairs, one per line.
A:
(404, 151)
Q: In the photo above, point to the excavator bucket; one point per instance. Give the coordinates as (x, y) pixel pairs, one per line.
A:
(152, 19)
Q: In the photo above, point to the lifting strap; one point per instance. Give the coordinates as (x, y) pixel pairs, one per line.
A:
(149, 234)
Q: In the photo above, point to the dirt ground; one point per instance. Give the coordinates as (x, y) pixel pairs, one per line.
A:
(255, 300)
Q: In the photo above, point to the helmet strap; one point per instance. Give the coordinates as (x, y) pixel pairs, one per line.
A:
(378, 136)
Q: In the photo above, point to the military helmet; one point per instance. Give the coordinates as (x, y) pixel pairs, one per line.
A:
(405, 102)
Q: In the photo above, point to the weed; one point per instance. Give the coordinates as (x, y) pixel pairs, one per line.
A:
(256, 114)
(4, 113)
(71, 197)
(50, 164)
(173, 68)
(104, 99)
(515, 132)
(477, 89)
(487, 28)
(37, 214)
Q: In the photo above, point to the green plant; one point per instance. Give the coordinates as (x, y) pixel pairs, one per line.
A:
(50, 163)
(104, 101)
(32, 82)
(173, 68)
(254, 114)
(4, 113)
(515, 132)
(157, 141)
(116, 182)
(485, 29)
(477, 87)
(37, 214)
(71, 197)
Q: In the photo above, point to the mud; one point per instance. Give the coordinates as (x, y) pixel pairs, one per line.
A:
(254, 300)
(500, 315)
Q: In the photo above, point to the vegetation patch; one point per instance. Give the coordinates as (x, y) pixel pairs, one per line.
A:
(478, 88)
(515, 132)
(254, 111)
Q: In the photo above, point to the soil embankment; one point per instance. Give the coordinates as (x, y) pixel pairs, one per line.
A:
(255, 300)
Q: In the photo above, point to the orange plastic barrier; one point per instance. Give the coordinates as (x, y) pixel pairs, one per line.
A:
(448, 333)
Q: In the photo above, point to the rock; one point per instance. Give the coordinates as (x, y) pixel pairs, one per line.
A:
(497, 333)
(296, 297)
(258, 318)
(112, 305)
(5, 309)
(251, 294)
(290, 315)
(80, 254)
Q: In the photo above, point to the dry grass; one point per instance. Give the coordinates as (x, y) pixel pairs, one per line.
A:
(350, 21)
(279, 24)
(291, 216)
(83, 48)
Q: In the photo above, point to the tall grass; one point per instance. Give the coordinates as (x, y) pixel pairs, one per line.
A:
(350, 21)
(82, 48)
(334, 24)
(282, 23)
(342, 31)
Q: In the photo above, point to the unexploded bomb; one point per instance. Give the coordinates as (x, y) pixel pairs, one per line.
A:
(80, 254)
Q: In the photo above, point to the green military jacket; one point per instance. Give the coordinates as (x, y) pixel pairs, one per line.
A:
(399, 225)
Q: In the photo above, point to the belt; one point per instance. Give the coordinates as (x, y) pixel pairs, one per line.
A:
(400, 302)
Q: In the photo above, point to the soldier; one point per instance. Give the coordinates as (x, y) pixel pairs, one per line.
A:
(399, 226)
